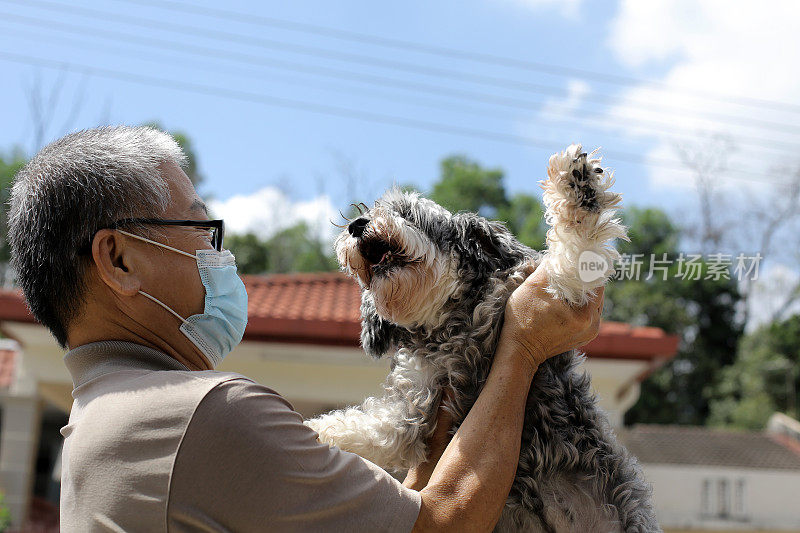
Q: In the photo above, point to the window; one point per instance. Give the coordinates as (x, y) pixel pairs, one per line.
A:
(706, 505)
(739, 508)
(723, 499)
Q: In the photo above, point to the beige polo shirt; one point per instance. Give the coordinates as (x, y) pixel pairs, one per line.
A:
(151, 446)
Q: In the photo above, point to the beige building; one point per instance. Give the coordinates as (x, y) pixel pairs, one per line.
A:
(301, 340)
(707, 479)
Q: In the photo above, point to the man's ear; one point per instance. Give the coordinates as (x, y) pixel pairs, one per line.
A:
(487, 245)
(111, 257)
(378, 336)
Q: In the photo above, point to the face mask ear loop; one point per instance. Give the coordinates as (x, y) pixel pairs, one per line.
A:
(165, 306)
(187, 254)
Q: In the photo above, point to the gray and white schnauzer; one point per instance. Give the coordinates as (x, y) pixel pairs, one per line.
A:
(434, 288)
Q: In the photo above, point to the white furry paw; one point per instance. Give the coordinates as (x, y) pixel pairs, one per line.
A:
(577, 186)
(580, 209)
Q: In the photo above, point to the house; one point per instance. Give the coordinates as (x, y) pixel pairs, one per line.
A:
(711, 479)
(302, 340)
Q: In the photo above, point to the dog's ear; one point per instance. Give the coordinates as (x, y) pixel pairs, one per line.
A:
(487, 245)
(378, 336)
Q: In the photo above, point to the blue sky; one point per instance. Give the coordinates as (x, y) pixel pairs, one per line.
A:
(645, 80)
(244, 146)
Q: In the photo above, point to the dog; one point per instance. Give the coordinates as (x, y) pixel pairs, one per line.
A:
(433, 291)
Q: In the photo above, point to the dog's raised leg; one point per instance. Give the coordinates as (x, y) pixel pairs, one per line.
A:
(580, 210)
(391, 431)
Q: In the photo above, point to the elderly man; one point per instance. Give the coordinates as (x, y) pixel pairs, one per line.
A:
(117, 257)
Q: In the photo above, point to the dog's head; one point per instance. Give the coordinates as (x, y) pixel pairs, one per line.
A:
(411, 257)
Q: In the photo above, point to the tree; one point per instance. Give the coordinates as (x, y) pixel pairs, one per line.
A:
(192, 168)
(701, 311)
(10, 164)
(293, 249)
(707, 161)
(251, 253)
(764, 378)
(764, 221)
(296, 250)
(465, 185)
(524, 216)
(45, 103)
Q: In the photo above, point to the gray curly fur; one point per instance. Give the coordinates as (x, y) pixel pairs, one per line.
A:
(573, 475)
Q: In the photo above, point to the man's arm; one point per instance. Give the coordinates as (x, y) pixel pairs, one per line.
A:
(472, 479)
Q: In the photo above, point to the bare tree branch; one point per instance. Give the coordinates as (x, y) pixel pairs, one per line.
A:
(761, 224)
(352, 178)
(105, 113)
(77, 106)
(792, 297)
(43, 105)
(707, 161)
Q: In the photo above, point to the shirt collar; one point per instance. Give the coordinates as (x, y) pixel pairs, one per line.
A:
(98, 358)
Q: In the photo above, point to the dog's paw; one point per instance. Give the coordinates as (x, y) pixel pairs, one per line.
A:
(576, 183)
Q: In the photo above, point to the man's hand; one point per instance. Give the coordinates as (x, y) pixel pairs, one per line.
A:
(538, 326)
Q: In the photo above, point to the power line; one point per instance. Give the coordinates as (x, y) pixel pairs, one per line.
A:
(342, 112)
(505, 101)
(455, 75)
(601, 119)
(454, 53)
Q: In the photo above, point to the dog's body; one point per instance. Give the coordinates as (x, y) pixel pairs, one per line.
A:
(435, 286)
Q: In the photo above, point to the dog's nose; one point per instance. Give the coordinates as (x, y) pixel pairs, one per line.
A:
(356, 227)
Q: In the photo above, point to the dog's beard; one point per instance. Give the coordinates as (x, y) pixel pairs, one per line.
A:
(413, 295)
(410, 278)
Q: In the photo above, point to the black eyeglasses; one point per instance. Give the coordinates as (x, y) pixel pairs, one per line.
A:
(217, 227)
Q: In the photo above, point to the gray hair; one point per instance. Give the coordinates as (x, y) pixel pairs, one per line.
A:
(73, 187)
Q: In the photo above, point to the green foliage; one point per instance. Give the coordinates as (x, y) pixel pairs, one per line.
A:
(295, 250)
(251, 253)
(524, 216)
(192, 168)
(5, 514)
(291, 250)
(701, 311)
(10, 164)
(764, 378)
(465, 185)
(650, 231)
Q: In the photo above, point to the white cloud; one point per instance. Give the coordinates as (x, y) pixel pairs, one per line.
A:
(713, 46)
(269, 210)
(567, 106)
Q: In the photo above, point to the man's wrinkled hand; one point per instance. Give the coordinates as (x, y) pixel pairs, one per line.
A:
(539, 326)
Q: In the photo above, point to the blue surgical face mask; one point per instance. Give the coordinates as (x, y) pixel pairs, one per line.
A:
(220, 328)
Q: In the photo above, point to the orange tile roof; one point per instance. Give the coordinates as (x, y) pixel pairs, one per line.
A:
(329, 296)
(323, 309)
(310, 308)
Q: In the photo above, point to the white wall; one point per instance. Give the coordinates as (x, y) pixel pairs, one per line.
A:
(771, 498)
